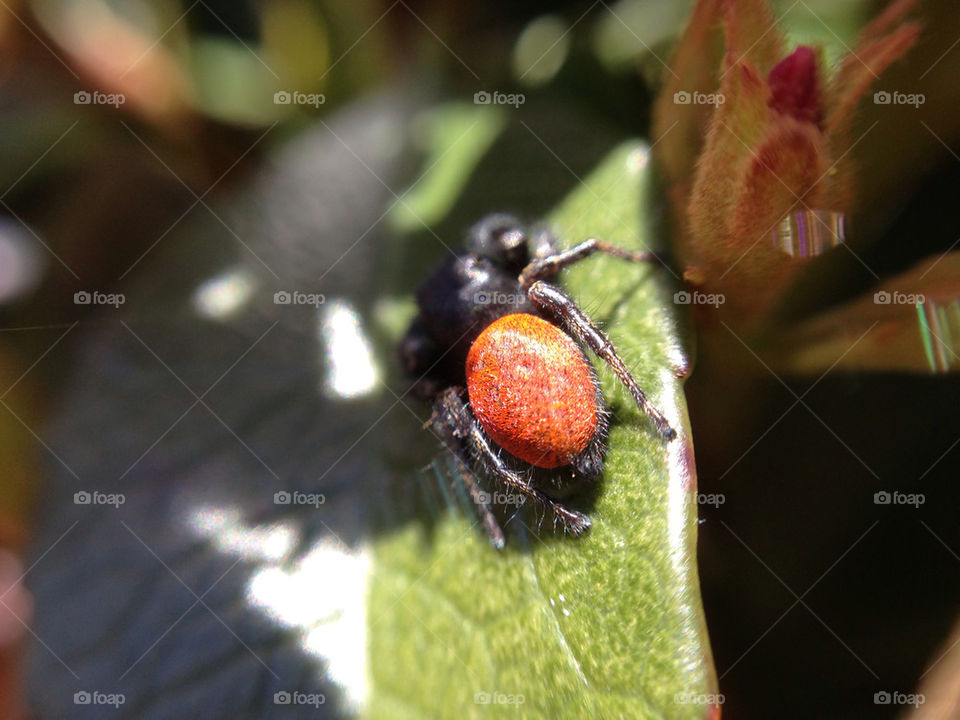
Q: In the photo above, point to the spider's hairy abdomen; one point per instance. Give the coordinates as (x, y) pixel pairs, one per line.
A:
(532, 390)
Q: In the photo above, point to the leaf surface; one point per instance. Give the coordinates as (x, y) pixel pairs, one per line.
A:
(608, 625)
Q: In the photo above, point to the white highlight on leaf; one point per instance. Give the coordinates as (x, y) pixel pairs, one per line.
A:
(229, 534)
(324, 596)
(350, 368)
(680, 482)
(321, 595)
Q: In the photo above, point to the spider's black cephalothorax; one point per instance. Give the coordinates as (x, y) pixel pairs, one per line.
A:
(463, 304)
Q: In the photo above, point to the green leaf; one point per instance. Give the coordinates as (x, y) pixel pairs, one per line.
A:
(607, 625)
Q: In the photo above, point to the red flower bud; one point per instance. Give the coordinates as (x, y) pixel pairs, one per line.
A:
(794, 88)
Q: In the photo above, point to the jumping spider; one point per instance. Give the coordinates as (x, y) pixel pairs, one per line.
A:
(497, 349)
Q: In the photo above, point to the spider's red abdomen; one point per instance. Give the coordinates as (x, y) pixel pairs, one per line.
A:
(532, 390)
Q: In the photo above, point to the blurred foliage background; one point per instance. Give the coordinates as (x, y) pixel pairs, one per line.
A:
(88, 191)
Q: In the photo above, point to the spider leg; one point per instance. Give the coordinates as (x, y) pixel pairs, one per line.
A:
(479, 497)
(550, 265)
(454, 419)
(565, 310)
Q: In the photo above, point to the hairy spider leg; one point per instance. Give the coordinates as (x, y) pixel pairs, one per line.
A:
(549, 265)
(490, 524)
(561, 307)
(460, 431)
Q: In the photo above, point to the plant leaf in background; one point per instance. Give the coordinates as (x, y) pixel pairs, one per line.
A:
(112, 585)
(776, 144)
(609, 625)
(910, 322)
